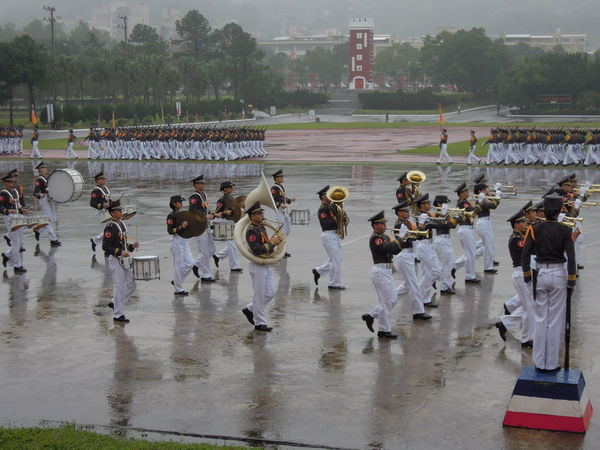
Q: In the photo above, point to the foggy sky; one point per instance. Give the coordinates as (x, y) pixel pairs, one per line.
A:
(402, 18)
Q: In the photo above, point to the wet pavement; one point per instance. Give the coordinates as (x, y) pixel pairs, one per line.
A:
(321, 378)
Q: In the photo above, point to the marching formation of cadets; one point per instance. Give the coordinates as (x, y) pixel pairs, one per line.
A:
(11, 141)
(545, 146)
(176, 142)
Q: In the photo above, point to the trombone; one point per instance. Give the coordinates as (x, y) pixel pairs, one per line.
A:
(487, 197)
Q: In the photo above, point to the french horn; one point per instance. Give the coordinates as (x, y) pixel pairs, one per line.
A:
(261, 194)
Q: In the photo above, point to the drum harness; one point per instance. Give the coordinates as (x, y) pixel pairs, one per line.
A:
(123, 231)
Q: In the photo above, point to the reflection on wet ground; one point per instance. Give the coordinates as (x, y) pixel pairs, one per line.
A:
(195, 365)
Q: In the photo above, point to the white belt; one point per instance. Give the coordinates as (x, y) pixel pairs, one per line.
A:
(443, 236)
(330, 231)
(518, 269)
(384, 265)
(549, 265)
(465, 226)
(484, 218)
(407, 250)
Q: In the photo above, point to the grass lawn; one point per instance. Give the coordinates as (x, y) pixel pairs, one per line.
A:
(454, 149)
(71, 438)
(53, 144)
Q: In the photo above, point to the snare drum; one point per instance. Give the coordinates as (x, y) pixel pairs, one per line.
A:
(146, 268)
(37, 222)
(222, 230)
(16, 221)
(65, 185)
(300, 216)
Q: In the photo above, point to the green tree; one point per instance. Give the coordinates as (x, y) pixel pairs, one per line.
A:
(33, 60)
(321, 62)
(195, 33)
(215, 71)
(147, 39)
(10, 75)
(397, 59)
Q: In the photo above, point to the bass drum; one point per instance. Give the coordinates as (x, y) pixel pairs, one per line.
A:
(65, 185)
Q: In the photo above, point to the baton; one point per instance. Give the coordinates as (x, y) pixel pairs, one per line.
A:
(568, 327)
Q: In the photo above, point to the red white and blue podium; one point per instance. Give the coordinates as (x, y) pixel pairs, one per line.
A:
(550, 401)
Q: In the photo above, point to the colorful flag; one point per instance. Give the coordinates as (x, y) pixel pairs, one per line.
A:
(34, 119)
(441, 114)
(114, 121)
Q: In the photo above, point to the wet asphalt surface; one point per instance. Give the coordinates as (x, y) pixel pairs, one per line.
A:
(195, 365)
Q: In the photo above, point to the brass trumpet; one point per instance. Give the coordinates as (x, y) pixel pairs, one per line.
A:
(487, 197)
(457, 212)
(590, 190)
(413, 234)
(583, 204)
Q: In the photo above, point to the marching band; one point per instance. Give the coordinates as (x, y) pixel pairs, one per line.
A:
(543, 250)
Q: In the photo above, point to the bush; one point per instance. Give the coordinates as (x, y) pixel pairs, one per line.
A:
(420, 100)
(71, 114)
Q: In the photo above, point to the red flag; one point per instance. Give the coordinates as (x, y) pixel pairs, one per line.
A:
(34, 119)
(441, 114)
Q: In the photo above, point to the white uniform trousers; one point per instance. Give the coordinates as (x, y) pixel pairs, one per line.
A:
(48, 207)
(123, 285)
(444, 154)
(182, 261)
(430, 268)
(522, 316)
(578, 244)
(405, 262)
(467, 241)
(99, 237)
(282, 216)
(484, 229)
(230, 250)
(35, 151)
(16, 242)
(383, 280)
(472, 157)
(264, 291)
(333, 266)
(70, 153)
(550, 307)
(443, 248)
(206, 249)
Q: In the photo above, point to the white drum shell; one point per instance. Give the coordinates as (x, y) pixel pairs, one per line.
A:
(37, 221)
(146, 268)
(300, 216)
(16, 221)
(222, 230)
(65, 185)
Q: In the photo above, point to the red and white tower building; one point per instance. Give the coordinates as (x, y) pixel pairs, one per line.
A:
(362, 54)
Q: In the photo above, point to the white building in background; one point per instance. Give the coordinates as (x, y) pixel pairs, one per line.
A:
(571, 43)
(105, 17)
(168, 18)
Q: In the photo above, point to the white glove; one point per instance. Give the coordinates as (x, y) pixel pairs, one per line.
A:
(587, 185)
(422, 219)
(498, 193)
(444, 209)
(403, 231)
(498, 186)
(561, 217)
(577, 203)
(481, 197)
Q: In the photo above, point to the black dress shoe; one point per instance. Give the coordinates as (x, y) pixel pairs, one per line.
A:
(37, 251)
(430, 305)
(474, 280)
(537, 369)
(21, 250)
(111, 305)
(490, 271)
(528, 344)
(453, 273)
(501, 329)
(7, 240)
(421, 316)
(262, 328)
(239, 270)
(249, 315)
(434, 285)
(93, 245)
(337, 288)
(506, 311)
(579, 267)
(316, 276)
(4, 259)
(121, 319)
(447, 292)
(369, 322)
(195, 271)
(56, 243)
(216, 260)
(208, 280)
(37, 235)
(386, 335)
(496, 263)
(182, 293)
(287, 255)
